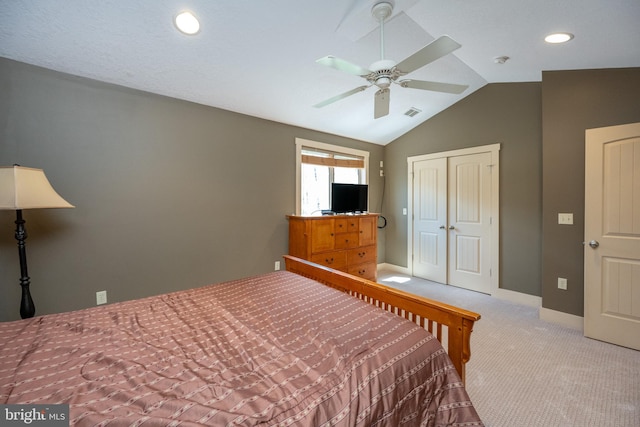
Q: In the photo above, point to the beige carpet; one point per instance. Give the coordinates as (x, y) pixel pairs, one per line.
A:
(527, 372)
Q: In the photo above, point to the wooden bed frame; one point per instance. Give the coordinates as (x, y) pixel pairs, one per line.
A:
(431, 315)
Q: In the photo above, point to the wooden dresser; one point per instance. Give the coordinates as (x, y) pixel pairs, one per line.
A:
(344, 242)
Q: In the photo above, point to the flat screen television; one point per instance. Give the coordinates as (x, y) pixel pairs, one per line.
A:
(349, 198)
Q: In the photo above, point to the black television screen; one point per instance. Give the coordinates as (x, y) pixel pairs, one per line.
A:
(348, 198)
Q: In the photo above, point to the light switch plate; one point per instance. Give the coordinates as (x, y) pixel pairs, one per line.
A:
(562, 283)
(565, 218)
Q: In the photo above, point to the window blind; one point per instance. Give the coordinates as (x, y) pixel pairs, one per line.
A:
(327, 158)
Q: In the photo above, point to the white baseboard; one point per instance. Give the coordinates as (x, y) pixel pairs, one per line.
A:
(565, 319)
(517, 297)
(393, 267)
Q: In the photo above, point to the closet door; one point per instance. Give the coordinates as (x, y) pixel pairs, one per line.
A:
(452, 235)
(469, 224)
(430, 219)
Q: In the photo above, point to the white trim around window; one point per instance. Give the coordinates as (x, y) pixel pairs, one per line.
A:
(300, 143)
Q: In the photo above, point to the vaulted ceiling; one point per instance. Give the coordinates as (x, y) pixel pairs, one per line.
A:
(259, 57)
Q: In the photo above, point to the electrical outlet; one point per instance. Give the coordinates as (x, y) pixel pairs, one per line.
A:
(277, 266)
(562, 283)
(101, 297)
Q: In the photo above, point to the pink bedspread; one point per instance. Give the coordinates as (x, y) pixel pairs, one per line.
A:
(277, 349)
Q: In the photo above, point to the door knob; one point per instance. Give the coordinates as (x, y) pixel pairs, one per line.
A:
(451, 227)
(594, 244)
(442, 227)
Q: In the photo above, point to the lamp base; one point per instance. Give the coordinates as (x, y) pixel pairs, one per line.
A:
(27, 308)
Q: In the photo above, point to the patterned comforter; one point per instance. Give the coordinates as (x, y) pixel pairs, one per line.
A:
(272, 350)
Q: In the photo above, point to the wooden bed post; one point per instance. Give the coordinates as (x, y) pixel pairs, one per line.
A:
(460, 345)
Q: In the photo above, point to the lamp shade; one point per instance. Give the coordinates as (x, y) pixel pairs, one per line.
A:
(27, 188)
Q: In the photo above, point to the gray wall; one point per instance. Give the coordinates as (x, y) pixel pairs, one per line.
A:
(541, 128)
(508, 114)
(168, 194)
(172, 195)
(573, 101)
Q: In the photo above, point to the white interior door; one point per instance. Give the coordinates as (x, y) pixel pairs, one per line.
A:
(612, 235)
(470, 222)
(430, 220)
(451, 229)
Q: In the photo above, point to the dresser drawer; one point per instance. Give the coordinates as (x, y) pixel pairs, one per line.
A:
(366, 271)
(347, 225)
(337, 260)
(346, 240)
(367, 254)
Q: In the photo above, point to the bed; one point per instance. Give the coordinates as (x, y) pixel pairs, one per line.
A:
(277, 349)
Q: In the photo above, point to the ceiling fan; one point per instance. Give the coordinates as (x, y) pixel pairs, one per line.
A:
(386, 71)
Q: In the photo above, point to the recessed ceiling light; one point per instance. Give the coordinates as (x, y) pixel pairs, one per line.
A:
(187, 23)
(558, 37)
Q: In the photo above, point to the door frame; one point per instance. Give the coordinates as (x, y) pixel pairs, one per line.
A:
(494, 150)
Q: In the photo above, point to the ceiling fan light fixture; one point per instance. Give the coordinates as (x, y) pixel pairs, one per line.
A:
(556, 38)
(187, 23)
(383, 82)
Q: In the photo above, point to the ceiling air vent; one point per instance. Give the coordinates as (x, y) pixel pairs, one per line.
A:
(412, 112)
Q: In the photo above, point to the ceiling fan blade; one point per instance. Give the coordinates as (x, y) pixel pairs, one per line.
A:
(342, 65)
(341, 96)
(434, 86)
(434, 50)
(381, 107)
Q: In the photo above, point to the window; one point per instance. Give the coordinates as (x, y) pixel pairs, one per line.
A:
(318, 165)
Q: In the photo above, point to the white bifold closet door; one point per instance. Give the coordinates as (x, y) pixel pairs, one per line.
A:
(452, 220)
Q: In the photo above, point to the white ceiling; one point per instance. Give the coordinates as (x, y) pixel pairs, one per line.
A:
(258, 57)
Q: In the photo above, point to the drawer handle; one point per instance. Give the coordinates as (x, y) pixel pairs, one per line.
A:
(329, 260)
(361, 254)
(362, 271)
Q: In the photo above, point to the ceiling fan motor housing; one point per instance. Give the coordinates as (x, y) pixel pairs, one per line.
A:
(383, 73)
